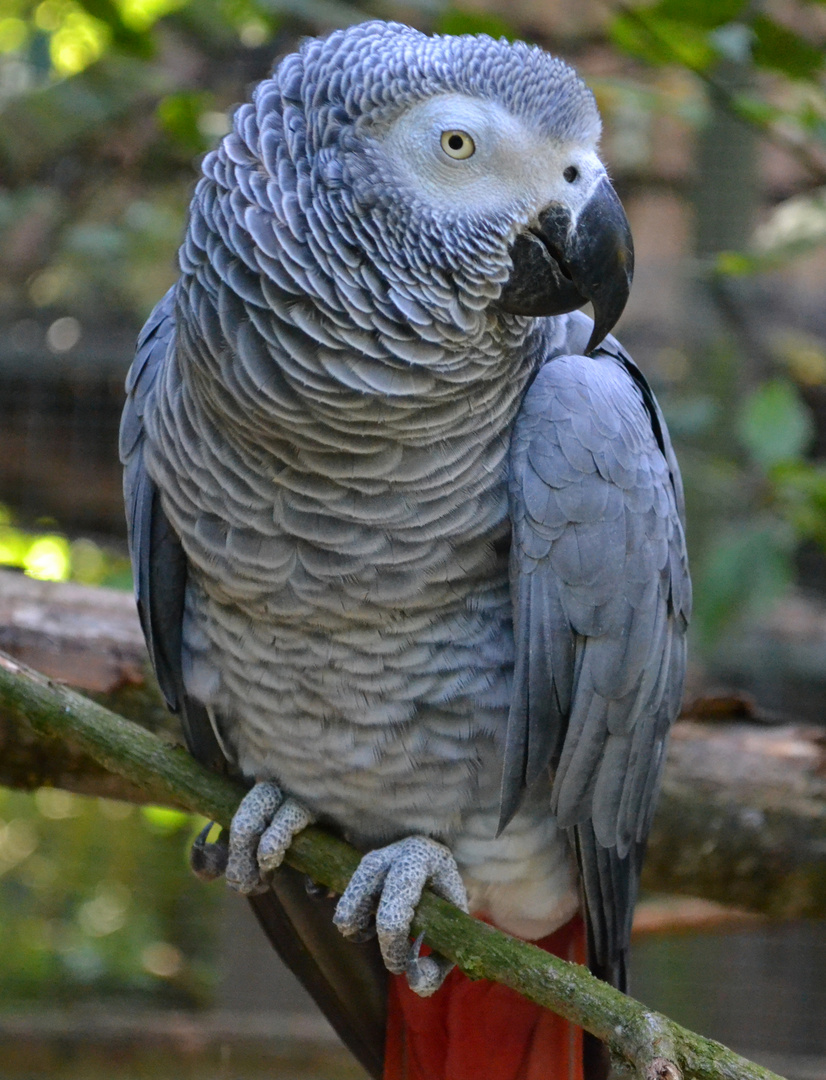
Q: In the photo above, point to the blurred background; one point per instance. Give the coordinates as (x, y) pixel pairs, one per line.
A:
(112, 958)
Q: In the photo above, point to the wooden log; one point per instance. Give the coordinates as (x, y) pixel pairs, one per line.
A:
(89, 639)
(742, 818)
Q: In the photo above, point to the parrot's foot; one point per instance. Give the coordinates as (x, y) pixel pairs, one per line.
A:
(395, 877)
(425, 974)
(209, 860)
(261, 831)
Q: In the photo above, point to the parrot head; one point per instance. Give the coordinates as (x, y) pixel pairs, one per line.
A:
(504, 151)
(464, 168)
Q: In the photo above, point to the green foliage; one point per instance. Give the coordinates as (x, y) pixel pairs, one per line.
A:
(780, 49)
(180, 116)
(699, 13)
(49, 556)
(659, 39)
(745, 569)
(800, 492)
(123, 36)
(697, 33)
(461, 21)
(76, 33)
(98, 900)
(748, 563)
(700, 36)
(774, 425)
(753, 496)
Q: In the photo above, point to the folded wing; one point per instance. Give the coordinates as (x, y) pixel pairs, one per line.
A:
(601, 599)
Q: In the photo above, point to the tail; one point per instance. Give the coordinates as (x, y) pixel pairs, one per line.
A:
(481, 1030)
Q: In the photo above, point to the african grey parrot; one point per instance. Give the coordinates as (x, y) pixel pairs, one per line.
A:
(406, 527)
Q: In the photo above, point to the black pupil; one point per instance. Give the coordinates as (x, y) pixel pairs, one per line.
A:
(455, 142)
(571, 174)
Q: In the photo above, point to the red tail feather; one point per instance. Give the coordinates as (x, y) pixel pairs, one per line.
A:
(483, 1031)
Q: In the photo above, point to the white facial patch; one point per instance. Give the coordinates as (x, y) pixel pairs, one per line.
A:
(510, 166)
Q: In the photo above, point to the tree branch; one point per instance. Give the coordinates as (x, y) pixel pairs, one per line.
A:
(651, 1044)
(741, 820)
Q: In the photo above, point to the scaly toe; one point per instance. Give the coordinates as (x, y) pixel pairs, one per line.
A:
(290, 818)
(252, 818)
(355, 911)
(419, 862)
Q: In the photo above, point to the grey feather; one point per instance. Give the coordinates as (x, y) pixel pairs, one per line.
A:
(580, 546)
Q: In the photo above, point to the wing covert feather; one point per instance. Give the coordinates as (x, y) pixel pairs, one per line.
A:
(601, 600)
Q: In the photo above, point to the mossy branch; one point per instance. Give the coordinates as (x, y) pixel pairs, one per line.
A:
(649, 1044)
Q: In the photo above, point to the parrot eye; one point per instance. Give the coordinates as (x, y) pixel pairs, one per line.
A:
(458, 144)
(571, 173)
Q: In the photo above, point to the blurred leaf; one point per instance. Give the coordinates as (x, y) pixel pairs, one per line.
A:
(77, 41)
(649, 36)
(126, 38)
(802, 354)
(736, 264)
(140, 15)
(35, 129)
(780, 49)
(794, 228)
(164, 820)
(743, 571)
(88, 893)
(800, 490)
(322, 14)
(47, 558)
(757, 110)
(774, 424)
(702, 13)
(179, 116)
(51, 557)
(696, 32)
(13, 34)
(460, 21)
(692, 415)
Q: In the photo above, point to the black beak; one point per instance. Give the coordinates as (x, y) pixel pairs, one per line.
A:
(558, 266)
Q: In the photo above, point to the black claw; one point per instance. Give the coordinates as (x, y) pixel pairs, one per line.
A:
(316, 891)
(416, 947)
(208, 861)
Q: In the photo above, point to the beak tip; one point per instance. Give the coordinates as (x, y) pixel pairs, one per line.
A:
(593, 341)
(601, 329)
